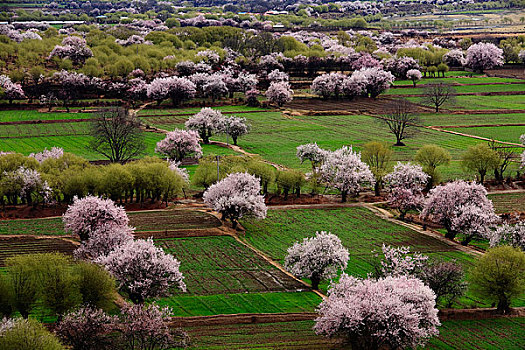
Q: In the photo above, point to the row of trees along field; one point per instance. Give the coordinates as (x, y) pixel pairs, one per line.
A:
(402, 286)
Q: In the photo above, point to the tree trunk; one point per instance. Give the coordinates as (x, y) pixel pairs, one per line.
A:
(503, 305)
(315, 282)
(377, 189)
(450, 234)
(234, 140)
(344, 195)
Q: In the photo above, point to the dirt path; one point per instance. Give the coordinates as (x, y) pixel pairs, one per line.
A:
(475, 136)
(386, 215)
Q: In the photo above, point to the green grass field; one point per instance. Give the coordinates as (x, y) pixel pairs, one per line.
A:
(24, 115)
(439, 119)
(508, 202)
(217, 304)
(360, 231)
(460, 78)
(462, 89)
(490, 334)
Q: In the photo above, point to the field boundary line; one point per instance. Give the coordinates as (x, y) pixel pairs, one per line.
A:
(231, 319)
(475, 136)
(476, 125)
(385, 214)
(274, 263)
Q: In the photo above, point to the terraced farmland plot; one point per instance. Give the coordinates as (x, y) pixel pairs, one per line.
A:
(41, 227)
(498, 333)
(360, 230)
(281, 335)
(171, 220)
(472, 119)
(44, 130)
(76, 144)
(25, 115)
(484, 102)
(460, 78)
(215, 265)
(238, 303)
(508, 202)
(462, 89)
(10, 246)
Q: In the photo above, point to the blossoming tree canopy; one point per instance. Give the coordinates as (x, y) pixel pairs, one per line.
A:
(236, 196)
(317, 258)
(392, 312)
(89, 214)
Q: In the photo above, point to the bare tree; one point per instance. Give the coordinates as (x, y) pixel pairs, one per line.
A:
(116, 135)
(436, 95)
(401, 121)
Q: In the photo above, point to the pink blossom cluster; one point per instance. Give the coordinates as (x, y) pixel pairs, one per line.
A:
(344, 170)
(236, 127)
(90, 214)
(405, 187)
(460, 207)
(482, 56)
(143, 270)
(54, 153)
(28, 184)
(455, 58)
(11, 91)
(513, 235)
(103, 241)
(398, 261)
(209, 56)
(399, 66)
(279, 93)
(328, 85)
(318, 258)
(392, 312)
(207, 122)
(276, 76)
(367, 82)
(179, 144)
(182, 172)
(236, 196)
(74, 48)
(310, 151)
(178, 89)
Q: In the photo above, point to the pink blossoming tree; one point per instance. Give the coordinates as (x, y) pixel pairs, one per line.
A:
(74, 48)
(143, 270)
(392, 312)
(460, 207)
(317, 258)
(513, 235)
(89, 214)
(177, 89)
(279, 93)
(236, 196)
(54, 153)
(344, 170)
(414, 75)
(405, 187)
(327, 85)
(482, 56)
(179, 144)
(103, 241)
(207, 122)
(236, 127)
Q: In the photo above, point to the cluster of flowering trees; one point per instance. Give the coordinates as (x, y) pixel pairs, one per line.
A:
(405, 187)
(279, 93)
(141, 269)
(11, 91)
(482, 56)
(137, 326)
(74, 48)
(366, 81)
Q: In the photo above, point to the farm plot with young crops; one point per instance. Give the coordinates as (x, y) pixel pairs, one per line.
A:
(76, 144)
(276, 137)
(462, 89)
(282, 335)
(360, 230)
(239, 303)
(220, 265)
(460, 78)
(33, 115)
(143, 221)
(484, 102)
(10, 246)
(508, 202)
(193, 110)
(498, 333)
(438, 119)
(166, 220)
